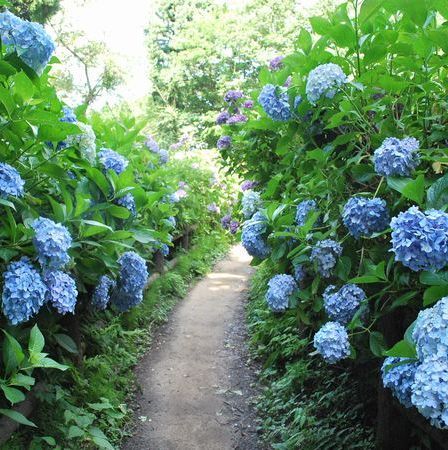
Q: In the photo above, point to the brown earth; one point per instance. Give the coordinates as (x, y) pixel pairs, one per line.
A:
(197, 383)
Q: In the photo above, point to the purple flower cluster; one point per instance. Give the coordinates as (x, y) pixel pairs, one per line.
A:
(237, 118)
(276, 63)
(247, 185)
(224, 142)
(232, 96)
(222, 118)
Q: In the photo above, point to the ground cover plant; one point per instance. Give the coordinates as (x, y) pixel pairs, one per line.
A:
(345, 146)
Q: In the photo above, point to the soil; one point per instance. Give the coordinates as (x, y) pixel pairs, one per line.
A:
(197, 383)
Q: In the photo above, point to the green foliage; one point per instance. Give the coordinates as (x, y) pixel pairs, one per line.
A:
(35, 10)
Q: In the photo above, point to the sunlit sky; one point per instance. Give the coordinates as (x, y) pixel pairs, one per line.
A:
(121, 25)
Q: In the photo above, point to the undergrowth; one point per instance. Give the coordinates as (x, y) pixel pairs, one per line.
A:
(305, 404)
(86, 407)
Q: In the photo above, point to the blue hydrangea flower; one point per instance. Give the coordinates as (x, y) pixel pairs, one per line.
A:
(224, 142)
(29, 39)
(236, 118)
(52, 241)
(132, 280)
(111, 160)
(275, 102)
(86, 142)
(69, 115)
(102, 292)
(430, 333)
(250, 203)
(128, 202)
(172, 221)
(276, 63)
(165, 250)
(396, 157)
(303, 210)
(62, 292)
(398, 375)
(342, 305)
(11, 183)
(297, 101)
(420, 239)
(252, 236)
(222, 117)
(232, 96)
(299, 273)
(152, 144)
(164, 156)
(325, 80)
(430, 390)
(331, 342)
(325, 253)
(280, 289)
(23, 291)
(364, 216)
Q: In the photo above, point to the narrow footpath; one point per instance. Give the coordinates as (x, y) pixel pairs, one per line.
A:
(196, 382)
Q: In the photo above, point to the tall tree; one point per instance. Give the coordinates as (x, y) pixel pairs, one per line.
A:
(35, 10)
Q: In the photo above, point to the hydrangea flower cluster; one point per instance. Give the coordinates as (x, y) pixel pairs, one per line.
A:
(29, 39)
(213, 208)
(102, 292)
(280, 289)
(86, 141)
(23, 291)
(420, 239)
(180, 143)
(276, 63)
(247, 184)
(164, 156)
(165, 250)
(299, 273)
(225, 221)
(396, 157)
(303, 210)
(128, 202)
(252, 236)
(364, 216)
(177, 196)
(324, 81)
(151, 144)
(62, 292)
(69, 115)
(237, 118)
(172, 221)
(111, 160)
(222, 118)
(131, 282)
(275, 102)
(52, 241)
(342, 305)
(248, 104)
(224, 142)
(325, 254)
(232, 96)
(234, 226)
(331, 342)
(11, 183)
(398, 375)
(250, 203)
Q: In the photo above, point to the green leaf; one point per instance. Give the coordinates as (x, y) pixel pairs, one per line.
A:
(437, 195)
(37, 340)
(402, 349)
(7, 203)
(433, 294)
(434, 279)
(50, 364)
(377, 343)
(23, 87)
(13, 394)
(19, 379)
(17, 417)
(320, 25)
(369, 8)
(12, 353)
(304, 42)
(74, 432)
(366, 279)
(411, 189)
(66, 342)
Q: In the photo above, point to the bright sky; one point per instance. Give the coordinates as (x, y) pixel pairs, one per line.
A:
(121, 25)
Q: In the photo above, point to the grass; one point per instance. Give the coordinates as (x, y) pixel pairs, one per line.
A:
(86, 407)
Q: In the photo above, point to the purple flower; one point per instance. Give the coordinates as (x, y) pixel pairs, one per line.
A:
(213, 207)
(248, 104)
(237, 118)
(276, 63)
(248, 184)
(232, 96)
(225, 221)
(222, 117)
(224, 142)
(288, 82)
(152, 144)
(234, 226)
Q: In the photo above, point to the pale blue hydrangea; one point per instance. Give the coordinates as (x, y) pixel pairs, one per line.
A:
(297, 101)
(128, 202)
(62, 293)
(69, 115)
(23, 291)
(430, 333)
(280, 289)
(52, 241)
(275, 102)
(33, 44)
(364, 216)
(398, 375)
(86, 142)
(430, 390)
(396, 157)
(111, 160)
(420, 239)
(250, 203)
(325, 254)
(224, 142)
(164, 156)
(299, 273)
(165, 250)
(101, 294)
(331, 342)
(252, 236)
(303, 210)
(222, 117)
(172, 221)
(11, 183)
(132, 280)
(324, 81)
(151, 144)
(341, 305)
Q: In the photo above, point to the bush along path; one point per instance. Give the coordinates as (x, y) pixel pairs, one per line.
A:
(195, 383)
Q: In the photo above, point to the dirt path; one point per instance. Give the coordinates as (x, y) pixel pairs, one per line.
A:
(196, 384)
